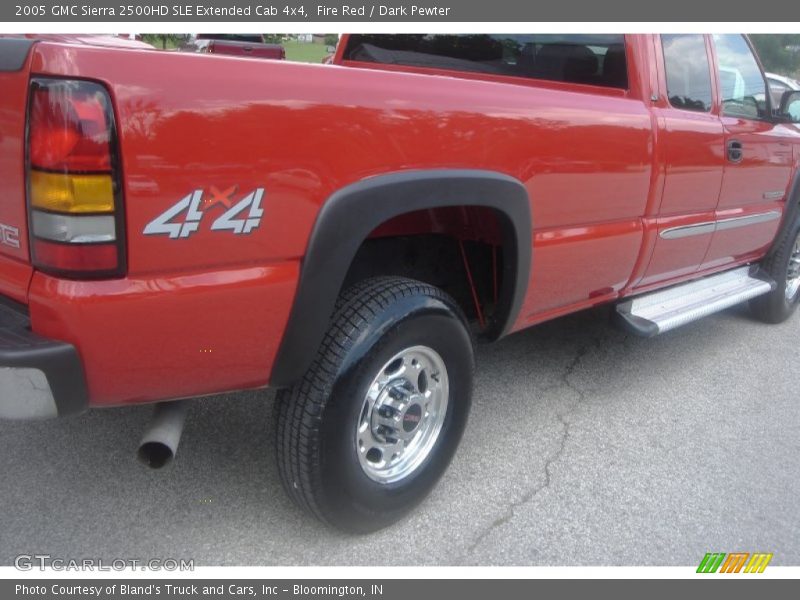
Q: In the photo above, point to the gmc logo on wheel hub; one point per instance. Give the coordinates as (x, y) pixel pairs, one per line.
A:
(412, 417)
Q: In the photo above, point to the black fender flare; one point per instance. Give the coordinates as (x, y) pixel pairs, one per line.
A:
(349, 215)
(789, 212)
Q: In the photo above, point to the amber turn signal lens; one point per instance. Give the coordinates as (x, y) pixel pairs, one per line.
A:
(65, 193)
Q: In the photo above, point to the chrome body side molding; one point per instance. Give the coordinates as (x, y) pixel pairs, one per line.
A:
(674, 233)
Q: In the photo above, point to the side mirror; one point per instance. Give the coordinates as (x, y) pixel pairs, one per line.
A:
(790, 105)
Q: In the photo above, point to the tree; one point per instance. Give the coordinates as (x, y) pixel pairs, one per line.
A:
(164, 40)
(779, 53)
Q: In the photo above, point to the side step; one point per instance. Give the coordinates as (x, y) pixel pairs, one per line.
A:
(660, 311)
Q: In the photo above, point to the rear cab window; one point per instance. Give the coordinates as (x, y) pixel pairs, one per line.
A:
(688, 71)
(597, 60)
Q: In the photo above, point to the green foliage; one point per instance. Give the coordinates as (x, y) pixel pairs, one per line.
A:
(273, 38)
(779, 53)
(165, 40)
(313, 53)
(331, 39)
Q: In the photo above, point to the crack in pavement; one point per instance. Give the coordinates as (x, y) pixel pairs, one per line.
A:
(561, 416)
(35, 385)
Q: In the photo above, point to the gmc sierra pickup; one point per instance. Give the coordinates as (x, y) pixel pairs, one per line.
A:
(176, 225)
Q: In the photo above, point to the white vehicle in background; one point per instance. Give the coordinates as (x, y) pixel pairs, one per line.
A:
(778, 84)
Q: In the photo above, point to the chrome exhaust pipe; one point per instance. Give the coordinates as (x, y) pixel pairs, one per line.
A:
(163, 434)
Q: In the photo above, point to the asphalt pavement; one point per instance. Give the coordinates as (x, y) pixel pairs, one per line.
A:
(585, 446)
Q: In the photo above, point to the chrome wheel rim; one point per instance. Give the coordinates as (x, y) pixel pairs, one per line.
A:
(402, 414)
(793, 271)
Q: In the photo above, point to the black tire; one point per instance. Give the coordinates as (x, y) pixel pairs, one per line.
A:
(317, 419)
(776, 307)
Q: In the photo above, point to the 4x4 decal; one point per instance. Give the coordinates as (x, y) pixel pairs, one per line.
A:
(240, 217)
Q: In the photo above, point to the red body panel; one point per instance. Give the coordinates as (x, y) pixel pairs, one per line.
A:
(15, 269)
(143, 339)
(606, 171)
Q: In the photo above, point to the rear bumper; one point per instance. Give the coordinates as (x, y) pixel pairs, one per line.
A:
(39, 378)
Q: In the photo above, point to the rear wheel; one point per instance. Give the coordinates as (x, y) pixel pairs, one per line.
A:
(373, 424)
(783, 265)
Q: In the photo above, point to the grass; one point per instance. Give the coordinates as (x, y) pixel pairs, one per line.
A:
(312, 53)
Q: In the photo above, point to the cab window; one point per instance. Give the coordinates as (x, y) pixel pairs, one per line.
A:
(591, 59)
(742, 85)
(688, 71)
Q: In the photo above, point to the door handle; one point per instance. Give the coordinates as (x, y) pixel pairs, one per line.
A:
(735, 151)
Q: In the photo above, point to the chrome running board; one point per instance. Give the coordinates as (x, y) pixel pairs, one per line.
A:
(657, 312)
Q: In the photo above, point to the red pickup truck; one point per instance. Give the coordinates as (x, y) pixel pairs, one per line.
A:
(176, 225)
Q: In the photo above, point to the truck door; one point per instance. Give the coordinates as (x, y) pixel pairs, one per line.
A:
(691, 140)
(758, 157)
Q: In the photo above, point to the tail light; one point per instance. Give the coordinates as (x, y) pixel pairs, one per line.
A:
(74, 184)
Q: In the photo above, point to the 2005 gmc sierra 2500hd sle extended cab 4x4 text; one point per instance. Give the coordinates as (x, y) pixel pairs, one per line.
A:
(178, 225)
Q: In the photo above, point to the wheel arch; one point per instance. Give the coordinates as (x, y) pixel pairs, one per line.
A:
(350, 214)
(792, 205)
(790, 211)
